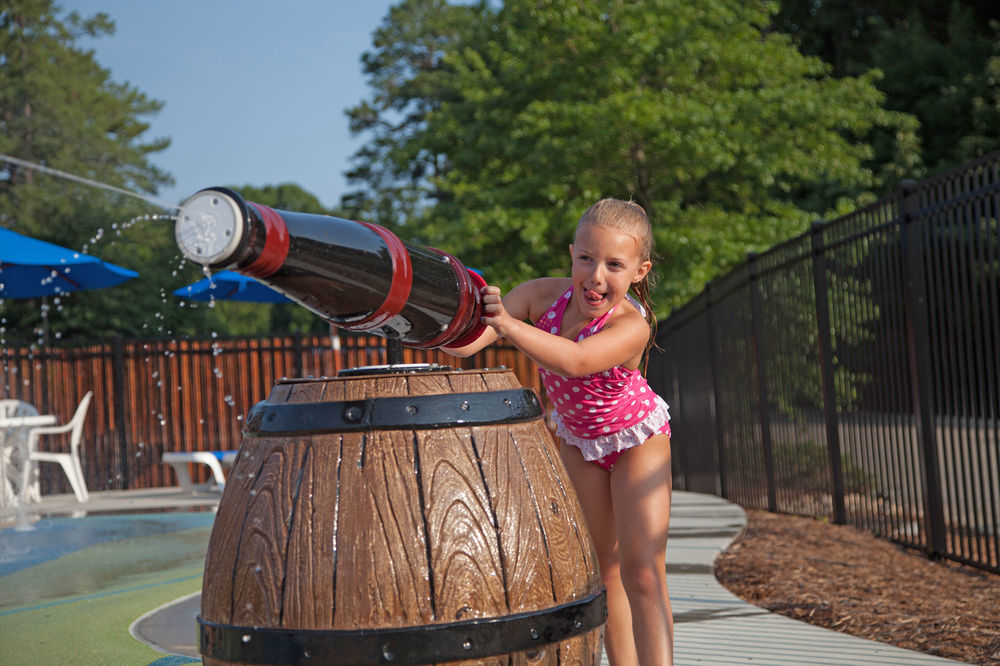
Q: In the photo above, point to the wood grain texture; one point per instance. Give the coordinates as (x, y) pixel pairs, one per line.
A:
(311, 560)
(569, 547)
(260, 566)
(466, 569)
(382, 577)
(522, 541)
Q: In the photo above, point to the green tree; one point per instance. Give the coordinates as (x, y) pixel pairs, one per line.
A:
(728, 136)
(936, 59)
(392, 169)
(59, 108)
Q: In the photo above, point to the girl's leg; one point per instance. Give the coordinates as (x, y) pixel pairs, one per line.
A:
(594, 491)
(640, 492)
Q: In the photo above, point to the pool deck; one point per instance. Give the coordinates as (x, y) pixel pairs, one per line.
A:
(713, 626)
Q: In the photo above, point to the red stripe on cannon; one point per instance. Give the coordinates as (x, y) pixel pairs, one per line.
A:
(402, 281)
(276, 240)
(469, 284)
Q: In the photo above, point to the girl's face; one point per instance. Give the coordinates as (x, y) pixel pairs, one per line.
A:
(605, 264)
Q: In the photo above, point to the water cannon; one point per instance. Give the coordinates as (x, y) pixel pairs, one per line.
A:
(356, 275)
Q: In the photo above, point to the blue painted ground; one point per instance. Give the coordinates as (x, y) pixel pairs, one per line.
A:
(55, 537)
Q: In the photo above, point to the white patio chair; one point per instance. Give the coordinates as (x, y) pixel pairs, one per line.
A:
(70, 461)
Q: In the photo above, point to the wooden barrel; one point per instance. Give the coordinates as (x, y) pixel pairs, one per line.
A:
(400, 515)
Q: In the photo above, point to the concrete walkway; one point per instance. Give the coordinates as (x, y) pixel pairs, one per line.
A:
(713, 627)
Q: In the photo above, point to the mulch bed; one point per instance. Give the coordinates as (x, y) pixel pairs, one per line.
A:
(842, 578)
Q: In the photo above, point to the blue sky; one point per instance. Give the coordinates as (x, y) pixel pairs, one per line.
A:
(254, 93)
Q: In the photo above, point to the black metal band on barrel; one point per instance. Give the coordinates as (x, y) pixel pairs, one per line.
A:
(420, 412)
(425, 644)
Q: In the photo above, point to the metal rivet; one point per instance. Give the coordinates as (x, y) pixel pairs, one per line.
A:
(352, 414)
(411, 409)
(464, 406)
(467, 644)
(388, 651)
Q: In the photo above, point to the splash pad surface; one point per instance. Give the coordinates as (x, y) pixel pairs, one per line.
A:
(70, 588)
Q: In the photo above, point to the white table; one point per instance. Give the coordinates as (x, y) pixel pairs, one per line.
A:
(14, 455)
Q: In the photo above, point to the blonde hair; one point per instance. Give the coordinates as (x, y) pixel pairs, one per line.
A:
(629, 218)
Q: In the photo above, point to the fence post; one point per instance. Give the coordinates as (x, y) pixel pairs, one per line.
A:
(825, 341)
(713, 368)
(678, 454)
(763, 403)
(118, 385)
(919, 356)
(297, 353)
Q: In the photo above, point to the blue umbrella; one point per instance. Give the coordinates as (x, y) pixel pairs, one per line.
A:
(231, 286)
(30, 267)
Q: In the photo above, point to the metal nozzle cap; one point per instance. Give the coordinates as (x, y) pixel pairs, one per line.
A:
(209, 227)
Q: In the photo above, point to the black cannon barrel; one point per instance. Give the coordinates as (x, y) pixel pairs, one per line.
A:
(357, 275)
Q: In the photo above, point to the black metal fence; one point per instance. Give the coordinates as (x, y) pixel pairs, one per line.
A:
(853, 372)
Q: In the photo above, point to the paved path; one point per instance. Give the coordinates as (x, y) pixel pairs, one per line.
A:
(713, 627)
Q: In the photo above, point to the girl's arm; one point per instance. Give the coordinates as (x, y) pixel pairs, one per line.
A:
(487, 338)
(621, 341)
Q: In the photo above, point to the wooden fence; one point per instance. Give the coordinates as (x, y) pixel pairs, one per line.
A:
(153, 396)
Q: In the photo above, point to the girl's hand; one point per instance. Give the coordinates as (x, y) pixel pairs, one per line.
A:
(494, 314)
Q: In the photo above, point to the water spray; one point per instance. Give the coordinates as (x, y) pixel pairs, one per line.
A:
(86, 181)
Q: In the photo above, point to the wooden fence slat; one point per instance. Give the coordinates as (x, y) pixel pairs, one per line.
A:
(201, 390)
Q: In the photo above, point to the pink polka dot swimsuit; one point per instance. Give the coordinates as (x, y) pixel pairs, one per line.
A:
(606, 413)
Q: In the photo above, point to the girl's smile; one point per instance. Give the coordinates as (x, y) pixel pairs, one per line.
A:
(605, 264)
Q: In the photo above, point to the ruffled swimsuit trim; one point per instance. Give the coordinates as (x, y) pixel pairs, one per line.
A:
(595, 449)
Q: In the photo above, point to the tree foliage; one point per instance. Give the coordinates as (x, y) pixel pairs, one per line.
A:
(529, 111)
(940, 63)
(393, 168)
(59, 108)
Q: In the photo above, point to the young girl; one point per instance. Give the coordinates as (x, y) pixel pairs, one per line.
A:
(588, 339)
